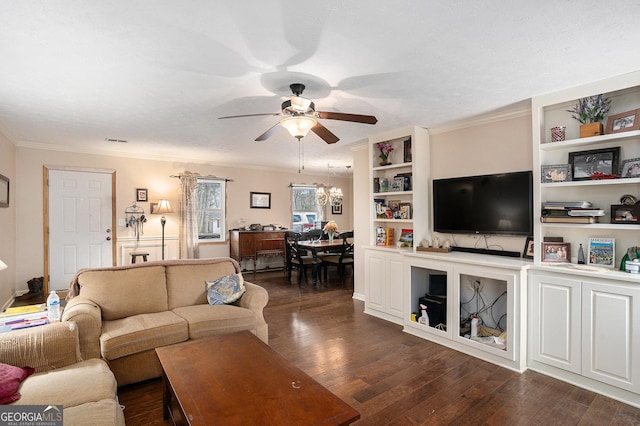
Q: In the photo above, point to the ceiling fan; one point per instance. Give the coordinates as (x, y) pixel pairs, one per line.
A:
(300, 117)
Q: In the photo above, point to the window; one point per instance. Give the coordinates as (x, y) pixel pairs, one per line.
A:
(304, 207)
(210, 196)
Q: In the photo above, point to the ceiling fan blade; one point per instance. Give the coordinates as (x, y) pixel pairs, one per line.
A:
(266, 135)
(324, 133)
(357, 118)
(251, 115)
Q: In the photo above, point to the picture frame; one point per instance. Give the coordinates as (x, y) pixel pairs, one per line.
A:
(260, 200)
(336, 209)
(625, 214)
(528, 252)
(602, 252)
(630, 168)
(555, 173)
(585, 163)
(556, 252)
(623, 122)
(142, 194)
(408, 153)
(4, 191)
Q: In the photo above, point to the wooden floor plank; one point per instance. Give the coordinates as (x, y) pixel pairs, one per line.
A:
(393, 378)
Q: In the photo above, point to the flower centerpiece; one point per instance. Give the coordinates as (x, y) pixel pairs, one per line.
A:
(590, 112)
(330, 228)
(385, 149)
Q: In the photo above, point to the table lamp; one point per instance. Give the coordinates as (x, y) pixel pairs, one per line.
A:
(162, 208)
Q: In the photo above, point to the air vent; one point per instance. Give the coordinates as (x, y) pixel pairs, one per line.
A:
(115, 140)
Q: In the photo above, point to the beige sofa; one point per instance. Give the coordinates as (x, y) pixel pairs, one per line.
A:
(85, 389)
(125, 312)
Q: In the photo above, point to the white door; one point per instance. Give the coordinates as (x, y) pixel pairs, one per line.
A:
(80, 220)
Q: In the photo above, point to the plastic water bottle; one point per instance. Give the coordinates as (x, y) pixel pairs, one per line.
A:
(53, 307)
(474, 326)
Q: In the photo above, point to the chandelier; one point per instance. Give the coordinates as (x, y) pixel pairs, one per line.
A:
(334, 197)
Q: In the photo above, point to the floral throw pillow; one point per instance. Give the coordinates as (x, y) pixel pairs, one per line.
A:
(225, 290)
(10, 379)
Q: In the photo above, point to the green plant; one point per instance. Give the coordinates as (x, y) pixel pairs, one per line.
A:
(591, 109)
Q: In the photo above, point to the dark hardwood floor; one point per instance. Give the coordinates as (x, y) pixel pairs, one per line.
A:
(393, 378)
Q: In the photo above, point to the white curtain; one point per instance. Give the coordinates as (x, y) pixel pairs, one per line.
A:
(189, 217)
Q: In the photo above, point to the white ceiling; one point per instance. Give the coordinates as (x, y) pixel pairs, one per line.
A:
(158, 73)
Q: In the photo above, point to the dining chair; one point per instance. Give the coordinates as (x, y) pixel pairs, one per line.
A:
(295, 256)
(341, 260)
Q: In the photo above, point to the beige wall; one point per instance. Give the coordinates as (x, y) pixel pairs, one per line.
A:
(8, 222)
(495, 147)
(155, 176)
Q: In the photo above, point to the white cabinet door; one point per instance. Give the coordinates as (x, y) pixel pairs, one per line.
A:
(555, 321)
(383, 285)
(611, 334)
(374, 280)
(395, 268)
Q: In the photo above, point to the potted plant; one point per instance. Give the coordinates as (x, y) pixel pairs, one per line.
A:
(590, 112)
(385, 149)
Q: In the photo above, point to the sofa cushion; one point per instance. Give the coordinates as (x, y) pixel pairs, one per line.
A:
(225, 290)
(75, 384)
(185, 283)
(105, 412)
(10, 379)
(142, 332)
(206, 320)
(125, 292)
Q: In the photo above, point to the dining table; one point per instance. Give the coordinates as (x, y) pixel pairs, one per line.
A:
(317, 246)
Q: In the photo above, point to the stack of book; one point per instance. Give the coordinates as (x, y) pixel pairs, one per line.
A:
(22, 317)
(570, 212)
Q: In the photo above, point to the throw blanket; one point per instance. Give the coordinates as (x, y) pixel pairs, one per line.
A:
(74, 286)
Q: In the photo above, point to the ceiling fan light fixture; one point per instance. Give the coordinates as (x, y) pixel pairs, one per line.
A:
(298, 126)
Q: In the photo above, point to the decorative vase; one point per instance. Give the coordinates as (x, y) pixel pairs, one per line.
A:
(330, 237)
(385, 163)
(591, 129)
(558, 133)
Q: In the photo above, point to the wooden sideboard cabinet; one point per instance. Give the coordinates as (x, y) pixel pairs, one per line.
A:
(254, 244)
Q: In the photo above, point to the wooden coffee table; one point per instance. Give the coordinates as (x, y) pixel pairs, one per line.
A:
(238, 379)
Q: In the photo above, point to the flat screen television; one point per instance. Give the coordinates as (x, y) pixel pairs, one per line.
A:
(488, 204)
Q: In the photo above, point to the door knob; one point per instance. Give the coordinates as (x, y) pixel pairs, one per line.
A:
(108, 238)
(108, 231)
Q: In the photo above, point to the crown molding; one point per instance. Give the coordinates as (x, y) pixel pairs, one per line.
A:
(518, 112)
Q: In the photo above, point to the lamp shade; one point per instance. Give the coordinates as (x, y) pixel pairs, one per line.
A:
(162, 207)
(2, 265)
(298, 126)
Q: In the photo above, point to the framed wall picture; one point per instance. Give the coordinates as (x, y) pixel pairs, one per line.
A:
(602, 161)
(336, 209)
(556, 252)
(528, 248)
(625, 214)
(602, 252)
(141, 194)
(260, 200)
(408, 154)
(4, 191)
(624, 122)
(558, 173)
(630, 168)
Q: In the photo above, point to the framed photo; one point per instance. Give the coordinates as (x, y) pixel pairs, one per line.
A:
(624, 122)
(141, 194)
(556, 252)
(558, 173)
(602, 252)
(260, 200)
(4, 191)
(626, 214)
(528, 248)
(336, 209)
(408, 153)
(585, 163)
(630, 168)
